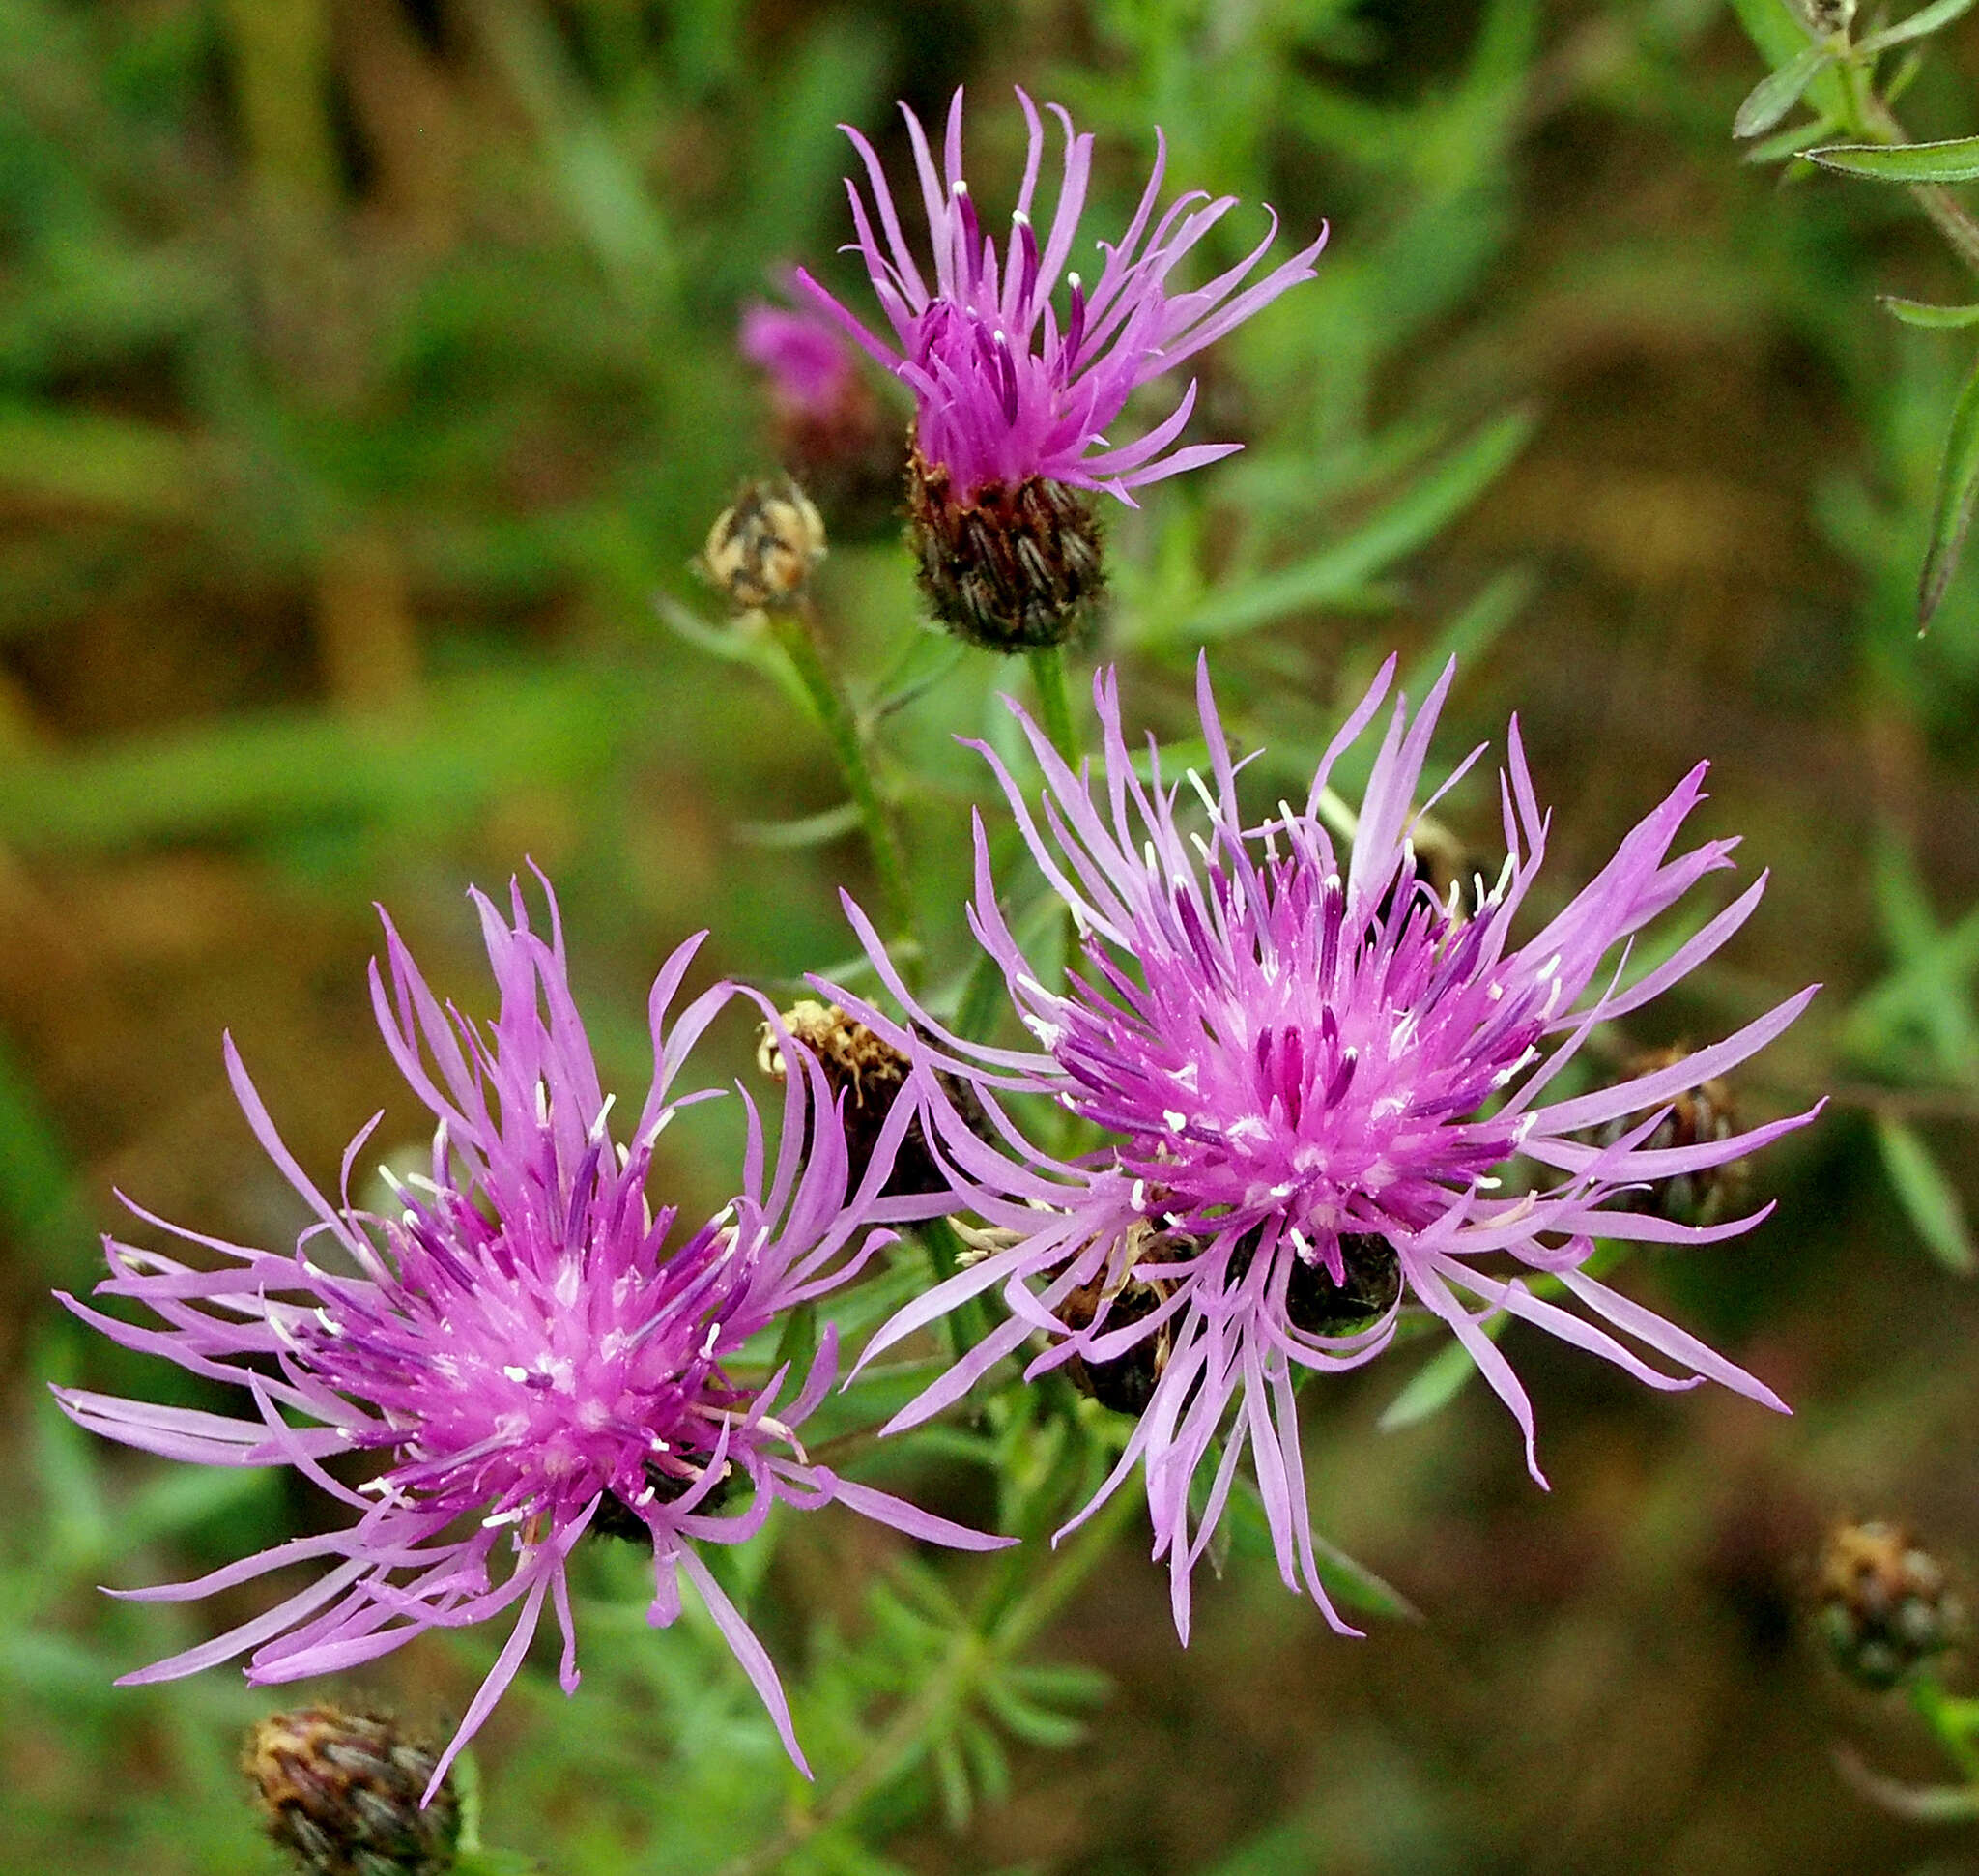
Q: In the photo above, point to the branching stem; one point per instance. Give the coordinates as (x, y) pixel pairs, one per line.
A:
(796, 635)
(971, 1656)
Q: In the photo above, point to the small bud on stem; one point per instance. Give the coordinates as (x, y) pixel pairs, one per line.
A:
(763, 547)
(1883, 1606)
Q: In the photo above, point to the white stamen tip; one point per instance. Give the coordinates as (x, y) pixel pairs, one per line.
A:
(517, 1373)
(1019, 218)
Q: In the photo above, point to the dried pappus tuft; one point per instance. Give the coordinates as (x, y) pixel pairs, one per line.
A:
(341, 1790)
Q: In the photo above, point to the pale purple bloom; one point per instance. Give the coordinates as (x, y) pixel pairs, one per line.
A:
(1306, 1072)
(810, 367)
(516, 1342)
(1007, 388)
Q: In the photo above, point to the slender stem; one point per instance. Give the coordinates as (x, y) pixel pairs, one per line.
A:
(1871, 118)
(796, 633)
(971, 1657)
(1054, 703)
(963, 1323)
(1054, 706)
(1933, 198)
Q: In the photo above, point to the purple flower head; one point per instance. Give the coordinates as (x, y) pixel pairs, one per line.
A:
(1016, 385)
(1006, 388)
(809, 365)
(1314, 1080)
(517, 1344)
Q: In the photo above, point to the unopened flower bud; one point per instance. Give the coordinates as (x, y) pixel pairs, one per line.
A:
(1014, 567)
(1127, 1382)
(1883, 1607)
(342, 1792)
(865, 1074)
(1706, 1113)
(762, 549)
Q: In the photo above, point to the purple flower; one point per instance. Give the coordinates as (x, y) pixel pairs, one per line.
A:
(1322, 1094)
(1013, 400)
(809, 365)
(1002, 390)
(517, 1344)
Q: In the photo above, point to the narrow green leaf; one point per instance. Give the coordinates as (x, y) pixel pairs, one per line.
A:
(1473, 630)
(106, 465)
(952, 1782)
(1778, 92)
(185, 1497)
(1776, 28)
(1358, 1587)
(1035, 1726)
(1415, 517)
(1954, 160)
(1289, 1849)
(1916, 312)
(1957, 483)
(1925, 20)
(809, 830)
(1791, 143)
(1435, 1384)
(1929, 1198)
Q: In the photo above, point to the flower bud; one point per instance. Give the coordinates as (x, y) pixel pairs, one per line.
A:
(1883, 1607)
(1014, 567)
(342, 1792)
(762, 549)
(865, 1074)
(1127, 1382)
(1706, 1112)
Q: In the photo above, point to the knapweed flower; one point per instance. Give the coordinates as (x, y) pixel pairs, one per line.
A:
(1012, 400)
(517, 1344)
(830, 431)
(1315, 1086)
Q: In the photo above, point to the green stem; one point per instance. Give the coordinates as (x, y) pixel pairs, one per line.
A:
(796, 635)
(1054, 703)
(1873, 120)
(1054, 707)
(971, 1656)
(963, 1323)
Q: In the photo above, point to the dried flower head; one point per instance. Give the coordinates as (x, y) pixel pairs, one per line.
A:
(522, 1344)
(1312, 1094)
(1012, 398)
(1882, 1605)
(342, 1791)
(766, 545)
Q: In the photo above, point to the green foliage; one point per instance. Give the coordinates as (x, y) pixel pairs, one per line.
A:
(388, 397)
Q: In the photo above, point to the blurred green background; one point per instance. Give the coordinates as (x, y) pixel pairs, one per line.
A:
(367, 370)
